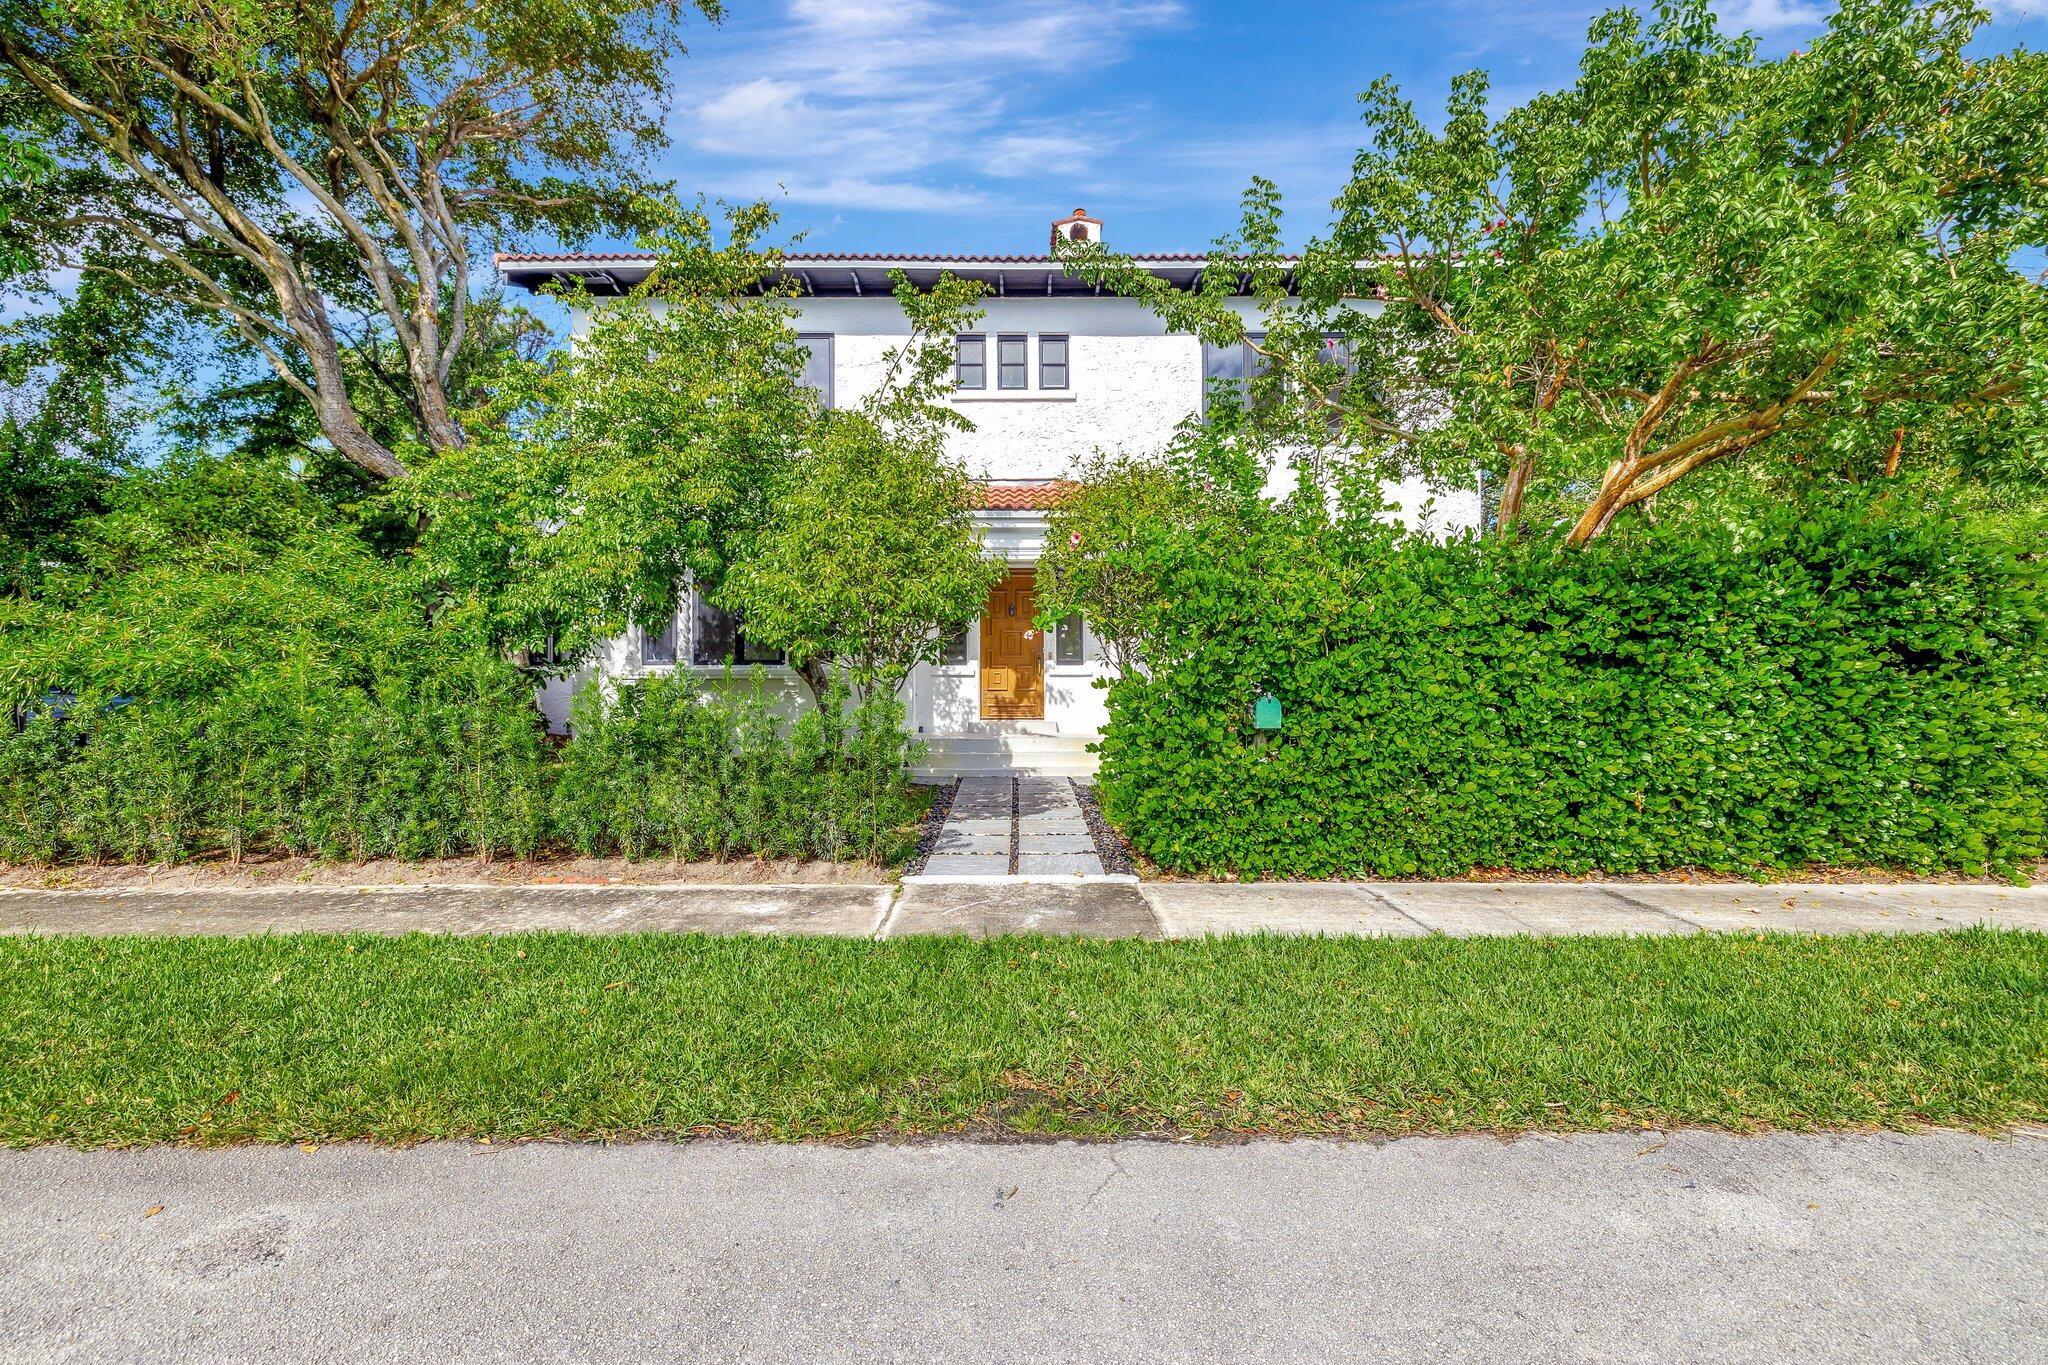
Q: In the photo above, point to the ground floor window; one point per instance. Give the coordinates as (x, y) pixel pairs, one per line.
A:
(720, 637)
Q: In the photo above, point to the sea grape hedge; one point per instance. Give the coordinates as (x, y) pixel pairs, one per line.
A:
(1847, 687)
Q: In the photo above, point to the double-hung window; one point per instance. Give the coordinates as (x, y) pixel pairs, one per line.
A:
(1052, 361)
(970, 361)
(818, 364)
(1013, 369)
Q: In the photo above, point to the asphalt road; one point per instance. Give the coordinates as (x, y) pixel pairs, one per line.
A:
(1630, 1247)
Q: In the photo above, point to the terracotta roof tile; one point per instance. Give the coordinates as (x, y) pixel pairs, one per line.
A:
(818, 257)
(1020, 497)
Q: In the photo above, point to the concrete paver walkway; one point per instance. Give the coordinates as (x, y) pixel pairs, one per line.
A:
(1023, 826)
(1094, 909)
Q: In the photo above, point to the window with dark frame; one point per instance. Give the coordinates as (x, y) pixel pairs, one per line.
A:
(548, 653)
(658, 643)
(1066, 642)
(954, 651)
(970, 362)
(1052, 361)
(1013, 369)
(1235, 365)
(720, 637)
(818, 364)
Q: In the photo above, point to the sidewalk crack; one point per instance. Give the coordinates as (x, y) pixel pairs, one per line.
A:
(1640, 904)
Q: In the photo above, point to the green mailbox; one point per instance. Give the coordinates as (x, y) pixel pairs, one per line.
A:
(1266, 712)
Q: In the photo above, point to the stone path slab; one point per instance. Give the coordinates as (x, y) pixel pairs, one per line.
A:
(1024, 826)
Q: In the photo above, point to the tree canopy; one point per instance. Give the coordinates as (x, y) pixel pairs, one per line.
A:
(1691, 258)
(287, 170)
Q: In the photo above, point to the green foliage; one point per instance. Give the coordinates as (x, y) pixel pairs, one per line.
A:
(1691, 257)
(868, 557)
(660, 769)
(1848, 686)
(231, 670)
(203, 1040)
(271, 168)
(868, 554)
(1098, 546)
(598, 483)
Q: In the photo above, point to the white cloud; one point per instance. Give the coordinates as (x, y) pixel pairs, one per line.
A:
(873, 104)
(1771, 16)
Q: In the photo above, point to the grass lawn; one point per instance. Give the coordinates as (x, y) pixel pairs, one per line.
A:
(316, 1038)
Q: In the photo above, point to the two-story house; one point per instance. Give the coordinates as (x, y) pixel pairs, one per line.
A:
(1054, 371)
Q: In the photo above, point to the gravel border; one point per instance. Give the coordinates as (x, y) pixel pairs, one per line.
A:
(928, 830)
(1109, 845)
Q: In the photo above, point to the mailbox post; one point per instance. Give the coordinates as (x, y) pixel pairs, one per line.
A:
(1266, 712)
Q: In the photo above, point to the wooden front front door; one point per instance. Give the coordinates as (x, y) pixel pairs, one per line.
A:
(1012, 655)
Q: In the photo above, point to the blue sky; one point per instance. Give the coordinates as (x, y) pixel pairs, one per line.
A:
(943, 125)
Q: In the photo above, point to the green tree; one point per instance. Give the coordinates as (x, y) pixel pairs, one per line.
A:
(1690, 258)
(602, 479)
(264, 164)
(1101, 556)
(868, 555)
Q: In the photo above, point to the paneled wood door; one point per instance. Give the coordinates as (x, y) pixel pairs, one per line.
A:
(1012, 654)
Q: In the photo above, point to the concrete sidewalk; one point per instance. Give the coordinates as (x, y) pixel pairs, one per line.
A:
(1061, 906)
(1643, 1246)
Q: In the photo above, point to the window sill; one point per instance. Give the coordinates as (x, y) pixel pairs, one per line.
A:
(1014, 396)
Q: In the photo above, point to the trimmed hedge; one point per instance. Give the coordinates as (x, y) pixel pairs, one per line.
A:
(1844, 688)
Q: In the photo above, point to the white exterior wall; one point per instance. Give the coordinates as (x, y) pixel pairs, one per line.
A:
(1129, 386)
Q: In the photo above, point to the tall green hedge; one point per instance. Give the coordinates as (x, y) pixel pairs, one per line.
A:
(234, 671)
(1848, 687)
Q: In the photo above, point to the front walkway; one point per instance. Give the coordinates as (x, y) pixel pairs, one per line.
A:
(1014, 827)
(1099, 908)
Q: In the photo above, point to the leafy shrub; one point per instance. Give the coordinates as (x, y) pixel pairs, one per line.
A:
(1846, 687)
(658, 768)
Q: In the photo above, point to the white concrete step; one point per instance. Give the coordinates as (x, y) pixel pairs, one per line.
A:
(999, 755)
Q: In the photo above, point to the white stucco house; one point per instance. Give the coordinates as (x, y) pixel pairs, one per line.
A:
(1054, 371)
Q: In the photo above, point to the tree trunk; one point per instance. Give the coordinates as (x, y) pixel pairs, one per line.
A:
(1514, 490)
(816, 678)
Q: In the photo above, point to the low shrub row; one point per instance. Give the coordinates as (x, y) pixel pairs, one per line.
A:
(457, 768)
(1861, 687)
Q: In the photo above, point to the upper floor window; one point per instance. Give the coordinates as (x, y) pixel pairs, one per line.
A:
(1013, 371)
(818, 364)
(1052, 361)
(970, 362)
